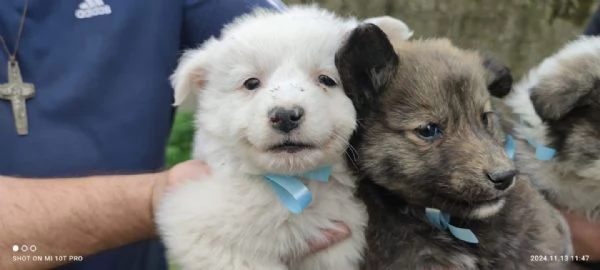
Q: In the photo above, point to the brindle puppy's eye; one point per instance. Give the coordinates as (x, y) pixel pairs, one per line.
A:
(429, 132)
(327, 81)
(252, 83)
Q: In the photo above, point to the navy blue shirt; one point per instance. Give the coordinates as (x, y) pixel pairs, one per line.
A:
(103, 100)
(593, 25)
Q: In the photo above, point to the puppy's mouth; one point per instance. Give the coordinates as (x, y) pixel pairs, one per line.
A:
(487, 208)
(291, 147)
(475, 209)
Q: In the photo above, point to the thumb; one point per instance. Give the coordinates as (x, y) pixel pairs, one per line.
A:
(332, 236)
(188, 170)
(182, 172)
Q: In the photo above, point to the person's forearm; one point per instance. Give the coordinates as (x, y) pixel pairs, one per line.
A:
(67, 217)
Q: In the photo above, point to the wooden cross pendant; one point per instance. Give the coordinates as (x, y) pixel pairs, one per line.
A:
(17, 92)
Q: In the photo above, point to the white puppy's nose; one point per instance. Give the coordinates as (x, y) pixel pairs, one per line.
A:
(286, 120)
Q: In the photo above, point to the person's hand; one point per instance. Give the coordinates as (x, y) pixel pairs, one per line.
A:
(585, 235)
(332, 237)
(197, 170)
(185, 171)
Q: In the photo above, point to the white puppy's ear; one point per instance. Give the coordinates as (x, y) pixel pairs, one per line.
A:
(190, 75)
(395, 29)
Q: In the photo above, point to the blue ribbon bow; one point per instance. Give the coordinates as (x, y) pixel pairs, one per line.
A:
(441, 221)
(542, 152)
(290, 190)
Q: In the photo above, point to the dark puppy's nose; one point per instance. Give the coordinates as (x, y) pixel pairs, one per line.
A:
(286, 120)
(502, 180)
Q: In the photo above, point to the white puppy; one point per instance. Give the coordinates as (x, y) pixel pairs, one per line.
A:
(269, 102)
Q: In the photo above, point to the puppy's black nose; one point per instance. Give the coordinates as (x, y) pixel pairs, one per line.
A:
(502, 180)
(286, 120)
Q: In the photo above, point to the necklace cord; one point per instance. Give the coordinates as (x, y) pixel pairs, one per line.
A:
(12, 57)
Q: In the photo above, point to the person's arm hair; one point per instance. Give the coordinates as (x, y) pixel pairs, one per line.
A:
(73, 217)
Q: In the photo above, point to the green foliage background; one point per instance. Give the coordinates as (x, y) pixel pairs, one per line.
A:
(179, 146)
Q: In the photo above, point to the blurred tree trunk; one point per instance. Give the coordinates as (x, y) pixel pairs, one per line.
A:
(521, 32)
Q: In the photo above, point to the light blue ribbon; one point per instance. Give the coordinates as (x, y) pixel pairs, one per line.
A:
(510, 147)
(290, 190)
(441, 221)
(542, 152)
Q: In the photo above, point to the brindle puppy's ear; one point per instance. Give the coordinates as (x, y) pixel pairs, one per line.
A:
(499, 78)
(555, 97)
(366, 62)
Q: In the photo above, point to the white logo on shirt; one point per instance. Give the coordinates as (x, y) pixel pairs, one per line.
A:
(92, 8)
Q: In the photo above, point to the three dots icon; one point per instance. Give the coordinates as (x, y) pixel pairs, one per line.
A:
(24, 248)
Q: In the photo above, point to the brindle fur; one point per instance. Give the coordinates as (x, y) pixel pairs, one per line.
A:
(397, 88)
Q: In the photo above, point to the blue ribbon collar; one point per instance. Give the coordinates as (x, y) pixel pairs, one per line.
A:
(441, 221)
(542, 152)
(509, 147)
(290, 190)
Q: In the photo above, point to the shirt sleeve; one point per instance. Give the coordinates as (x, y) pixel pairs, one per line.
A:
(206, 18)
(593, 26)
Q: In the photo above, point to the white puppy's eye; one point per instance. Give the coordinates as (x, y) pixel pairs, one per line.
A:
(327, 81)
(252, 83)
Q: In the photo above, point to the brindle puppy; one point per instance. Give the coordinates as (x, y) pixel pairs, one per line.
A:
(428, 138)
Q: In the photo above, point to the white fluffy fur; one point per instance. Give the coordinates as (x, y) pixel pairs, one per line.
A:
(234, 221)
(571, 185)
